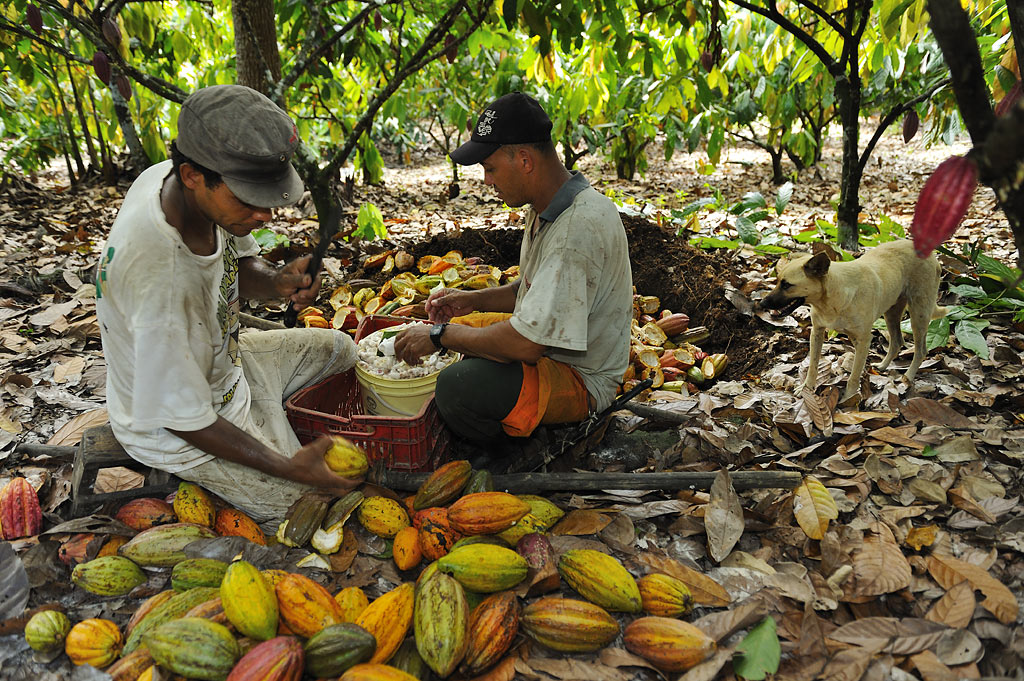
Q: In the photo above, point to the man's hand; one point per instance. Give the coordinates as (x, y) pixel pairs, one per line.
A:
(308, 466)
(293, 282)
(414, 343)
(442, 305)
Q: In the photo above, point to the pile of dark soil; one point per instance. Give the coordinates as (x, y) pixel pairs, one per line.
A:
(686, 279)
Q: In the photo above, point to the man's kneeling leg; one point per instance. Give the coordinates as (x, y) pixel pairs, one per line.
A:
(474, 395)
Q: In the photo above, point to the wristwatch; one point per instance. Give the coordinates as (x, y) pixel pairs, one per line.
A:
(436, 332)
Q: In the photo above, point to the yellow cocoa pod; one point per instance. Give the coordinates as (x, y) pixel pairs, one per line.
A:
(542, 509)
(388, 618)
(375, 672)
(664, 596)
(193, 505)
(346, 458)
(353, 601)
(528, 524)
(601, 579)
(484, 568)
(273, 576)
(249, 601)
(382, 516)
(93, 641)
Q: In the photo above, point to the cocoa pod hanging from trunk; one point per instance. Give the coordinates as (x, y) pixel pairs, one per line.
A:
(111, 32)
(1009, 99)
(123, 86)
(911, 122)
(101, 65)
(34, 18)
(943, 202)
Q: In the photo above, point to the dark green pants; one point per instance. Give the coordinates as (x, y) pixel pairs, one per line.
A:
(474, 395)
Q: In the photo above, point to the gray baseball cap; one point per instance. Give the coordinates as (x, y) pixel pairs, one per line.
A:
(239, 133)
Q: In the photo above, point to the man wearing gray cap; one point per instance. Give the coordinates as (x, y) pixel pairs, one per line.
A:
(186, 393)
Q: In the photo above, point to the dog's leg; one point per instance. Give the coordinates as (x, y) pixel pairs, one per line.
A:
(920, 315)
(861, 343)
(813, 357)
(892, 324)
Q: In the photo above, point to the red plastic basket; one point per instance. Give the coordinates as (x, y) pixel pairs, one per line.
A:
(335, 407)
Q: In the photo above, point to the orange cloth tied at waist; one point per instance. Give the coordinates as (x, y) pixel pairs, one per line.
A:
(552, 392)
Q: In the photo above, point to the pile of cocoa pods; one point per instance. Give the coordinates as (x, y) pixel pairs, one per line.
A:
(477, 567)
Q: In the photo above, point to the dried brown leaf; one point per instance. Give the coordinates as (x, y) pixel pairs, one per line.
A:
(723, 518)
(704, 590)
(931, 668)
(812, 637)
(708, 669)
(999, 600)
(813, 507)
(582, 521)
(723, 624)
(847, 665)
(71, 432)
(879, 568)
(820, 413)
(955, 608)
(890, 635)
(117, 479)
(503, 671)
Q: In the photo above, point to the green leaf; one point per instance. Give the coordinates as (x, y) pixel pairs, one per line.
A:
(990, 265)
(760, 652)
(711, 242)
(965, 291)
(783, 197)
(693, 207)
(268, 239)
(370, 223)
(938, 333)
(968, 335)
(747, 230)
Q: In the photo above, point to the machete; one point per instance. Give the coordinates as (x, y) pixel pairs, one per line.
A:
(326, 230)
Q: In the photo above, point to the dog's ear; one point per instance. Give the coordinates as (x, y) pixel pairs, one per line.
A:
(817, 266)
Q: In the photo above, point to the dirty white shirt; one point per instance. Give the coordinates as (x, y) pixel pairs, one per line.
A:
(169, 325)
(577, 291)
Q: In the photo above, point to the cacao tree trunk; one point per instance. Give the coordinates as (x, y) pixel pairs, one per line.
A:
(848, 93)
(255, 44)
(80, 110)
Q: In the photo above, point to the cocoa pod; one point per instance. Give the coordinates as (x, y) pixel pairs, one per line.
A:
(451, 51)
(20, 515)
(493, 626)
(378, 20)
(486, 513)
(171, 609)
(194, 648)
(372, 671)
(249, 601)
(334, 649)
(443, 485)
(193, 572)
(601, 579)
(279, 659)
(911, 123)
(231, 522)
(101, 66)
(1009, 99)
(80, 548)
(305, 606)
(674, 324)
(129, 667)
(191, 503)
(108, 576)
(943, 202)
(111, 32)
(664, 595)
(93, 641)
(346, 458)
(707, 60)
(671, 645)
(484, 568)
(142, 514)
(388, 618)
(352, 600)
(34, 18)
(148, 606)
(440, 622)
(46, 630)
(382, 516)
(123, 86)
(163, 545)
(568, 625)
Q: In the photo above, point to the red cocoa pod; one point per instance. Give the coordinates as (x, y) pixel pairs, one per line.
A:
(707, 61)
(20, 515)
(142, 514)
(34, 18)
(1009, 99)
(943, 202)
(80, 548)
(911, 123)
(111, 32)
(278, 659)
(536, 549)
(101, 65)
(123, 86)
(378, 21)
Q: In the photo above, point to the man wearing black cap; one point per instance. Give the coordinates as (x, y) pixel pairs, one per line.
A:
(185, 392)
(564, 346)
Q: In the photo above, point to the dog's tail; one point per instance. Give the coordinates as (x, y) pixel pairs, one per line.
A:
(939, 312)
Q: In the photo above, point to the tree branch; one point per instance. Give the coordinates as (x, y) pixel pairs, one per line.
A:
(891, 117)
(828, 18)
(813, 45)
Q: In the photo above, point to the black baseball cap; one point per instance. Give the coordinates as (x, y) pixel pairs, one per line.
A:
(239, 133)
(515, 118)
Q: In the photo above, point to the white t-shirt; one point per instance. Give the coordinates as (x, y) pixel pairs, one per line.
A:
(169, 325)
(577, 291)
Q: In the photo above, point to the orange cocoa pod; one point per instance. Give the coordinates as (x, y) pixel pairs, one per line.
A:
(129, 667)
(435, 540)
(568, 625)
(111, 546)
(352, 601)
(148, 606)
(493, 626)
(486, 513)
(388, 618)
(406, 549)
(669, 644)
(305, 606)
(212, 610)
(77, 549)
(142, 514)
(375, 672)
(664, 595)
(443, 485)
(231, 522)
(434, 514)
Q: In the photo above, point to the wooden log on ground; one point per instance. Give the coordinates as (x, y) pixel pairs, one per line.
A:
(595, 482)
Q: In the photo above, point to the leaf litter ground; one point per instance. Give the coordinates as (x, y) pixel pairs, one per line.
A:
(899, 556)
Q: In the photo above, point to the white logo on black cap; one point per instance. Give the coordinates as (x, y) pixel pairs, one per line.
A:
(484, 127)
